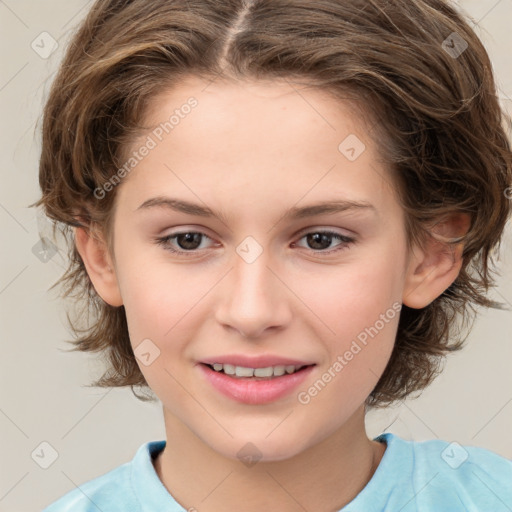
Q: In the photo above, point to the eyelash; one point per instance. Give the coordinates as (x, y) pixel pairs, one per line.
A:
(347, 241)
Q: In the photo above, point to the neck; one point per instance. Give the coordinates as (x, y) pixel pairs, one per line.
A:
(326, 476)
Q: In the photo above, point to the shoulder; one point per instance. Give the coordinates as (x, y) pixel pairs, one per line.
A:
(113, 491)
(108, 489)
(467, 476)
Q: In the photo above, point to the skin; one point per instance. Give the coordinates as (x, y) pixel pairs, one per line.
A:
(252, 150)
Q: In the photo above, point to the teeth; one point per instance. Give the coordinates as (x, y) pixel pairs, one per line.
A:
(229, 369)
(242, 371)
(264, 372)
(279, 370)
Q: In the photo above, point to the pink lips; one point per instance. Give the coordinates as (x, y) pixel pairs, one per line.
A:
(254, 392)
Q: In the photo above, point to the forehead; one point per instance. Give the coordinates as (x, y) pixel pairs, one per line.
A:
(258, 100)
(256, 139)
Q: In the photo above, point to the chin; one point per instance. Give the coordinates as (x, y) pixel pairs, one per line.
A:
(259, 448)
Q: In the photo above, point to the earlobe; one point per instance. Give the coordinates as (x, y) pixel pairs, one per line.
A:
(433, 268)
(99, 266)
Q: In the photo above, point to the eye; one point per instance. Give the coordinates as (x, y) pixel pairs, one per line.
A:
(189, 242)
(319, 240)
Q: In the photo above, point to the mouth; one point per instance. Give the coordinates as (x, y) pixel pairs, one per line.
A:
(254, 386)
(256, 374)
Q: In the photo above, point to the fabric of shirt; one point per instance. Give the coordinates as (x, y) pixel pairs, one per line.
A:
(412, 476)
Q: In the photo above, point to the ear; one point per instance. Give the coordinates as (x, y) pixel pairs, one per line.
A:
(98, 263)
(432, 269)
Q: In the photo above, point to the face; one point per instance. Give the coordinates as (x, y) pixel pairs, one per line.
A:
(265, 280)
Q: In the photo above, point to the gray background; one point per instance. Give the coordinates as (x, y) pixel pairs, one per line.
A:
(44, 397)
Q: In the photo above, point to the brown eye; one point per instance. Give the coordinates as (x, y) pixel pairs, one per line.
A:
(319, 241)
(188, 241)
(184, 242)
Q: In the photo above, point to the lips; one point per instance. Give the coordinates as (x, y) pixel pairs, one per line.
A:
(231, 376)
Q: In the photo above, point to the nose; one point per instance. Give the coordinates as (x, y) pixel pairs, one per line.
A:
(253, 298)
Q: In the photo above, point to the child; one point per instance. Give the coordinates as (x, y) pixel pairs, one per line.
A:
(260, 129)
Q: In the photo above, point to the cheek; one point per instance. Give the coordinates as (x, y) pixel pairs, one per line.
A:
(360, 308)
(164, 303)
(157, 294)
(158, 301)
(355, 295)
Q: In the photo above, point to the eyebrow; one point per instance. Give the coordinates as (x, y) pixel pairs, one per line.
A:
(293, 213)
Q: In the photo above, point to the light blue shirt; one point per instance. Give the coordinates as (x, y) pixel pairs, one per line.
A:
(434, 476)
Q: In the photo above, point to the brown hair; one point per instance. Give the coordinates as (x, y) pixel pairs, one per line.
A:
(438, 124)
